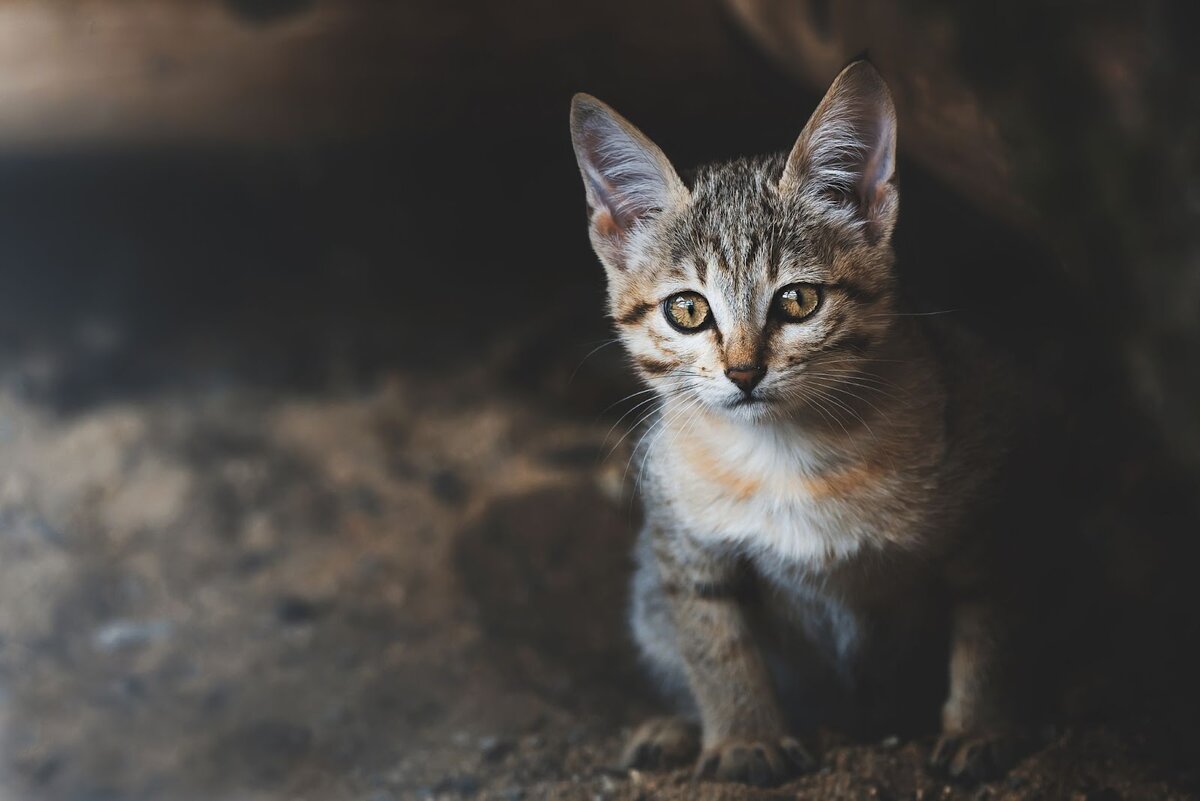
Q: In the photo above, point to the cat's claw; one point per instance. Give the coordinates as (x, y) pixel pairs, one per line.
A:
(661, 743)
(762, 763)
(975, 757)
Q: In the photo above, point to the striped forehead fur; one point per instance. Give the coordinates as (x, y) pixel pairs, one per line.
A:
(738, 215)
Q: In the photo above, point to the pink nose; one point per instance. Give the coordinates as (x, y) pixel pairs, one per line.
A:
(745, 376)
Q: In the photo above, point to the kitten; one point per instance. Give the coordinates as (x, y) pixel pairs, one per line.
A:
(818, 534)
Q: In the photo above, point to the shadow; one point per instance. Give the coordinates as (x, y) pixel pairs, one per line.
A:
(547, 577)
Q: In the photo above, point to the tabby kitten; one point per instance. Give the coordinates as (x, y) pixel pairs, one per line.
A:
(816, 548)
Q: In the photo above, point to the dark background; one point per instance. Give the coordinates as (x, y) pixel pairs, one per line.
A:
(407, 199)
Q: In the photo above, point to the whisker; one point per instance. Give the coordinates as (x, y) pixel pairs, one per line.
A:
(837, 388)
(665, 427)
(847, 408)
(635, 426)
(630, 411)
(636, 448)
(838, 381)
(859, 371)
(914, 314)
(817, 401)
(675, 392)
(633, 395)
(591, 353)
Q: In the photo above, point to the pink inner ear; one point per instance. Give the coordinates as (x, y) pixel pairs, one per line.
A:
(604, 224)
(877, 172)
(878, 167)
(846, 153)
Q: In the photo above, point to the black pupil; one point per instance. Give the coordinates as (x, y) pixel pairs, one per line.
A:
(688, 307)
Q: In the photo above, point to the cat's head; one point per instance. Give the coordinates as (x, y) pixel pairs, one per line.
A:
(765, 280)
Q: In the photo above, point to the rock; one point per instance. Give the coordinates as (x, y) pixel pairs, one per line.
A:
(292, 611)
(493, 749)
(448, 487)
(119, 635)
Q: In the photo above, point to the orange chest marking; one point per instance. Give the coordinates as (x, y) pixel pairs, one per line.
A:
(742, 484)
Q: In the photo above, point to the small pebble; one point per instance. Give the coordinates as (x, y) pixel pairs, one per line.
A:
(293, 611)
(448, 487)
(118, 635)
(493, 749)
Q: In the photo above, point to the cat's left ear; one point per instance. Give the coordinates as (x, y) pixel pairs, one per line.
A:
(846, 155)
(626, 176)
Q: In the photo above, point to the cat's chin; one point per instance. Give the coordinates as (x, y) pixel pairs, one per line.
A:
(750, 409)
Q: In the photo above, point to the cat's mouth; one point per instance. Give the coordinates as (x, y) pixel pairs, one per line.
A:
(747, 400)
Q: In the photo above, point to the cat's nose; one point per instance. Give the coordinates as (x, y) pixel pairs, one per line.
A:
(746, 376)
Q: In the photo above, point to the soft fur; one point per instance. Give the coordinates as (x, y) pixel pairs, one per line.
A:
(819, 549)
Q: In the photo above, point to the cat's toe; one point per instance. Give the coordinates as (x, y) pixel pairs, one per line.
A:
(977, 757)
(760, 763)
(943, 752)
(662, 743)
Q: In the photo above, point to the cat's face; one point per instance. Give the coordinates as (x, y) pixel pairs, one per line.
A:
(763, 288)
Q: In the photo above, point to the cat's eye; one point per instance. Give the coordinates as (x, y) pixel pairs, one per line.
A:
(797, 302)
(687, 312)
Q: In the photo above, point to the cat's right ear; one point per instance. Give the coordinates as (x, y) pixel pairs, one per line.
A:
(845, 158)
(626, 176)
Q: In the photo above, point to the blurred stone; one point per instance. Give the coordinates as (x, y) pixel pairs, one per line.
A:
(120, 635)
(493, 748)
(293, 610)
(449, 487)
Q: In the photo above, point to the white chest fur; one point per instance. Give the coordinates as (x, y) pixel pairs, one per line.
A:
(782, 495)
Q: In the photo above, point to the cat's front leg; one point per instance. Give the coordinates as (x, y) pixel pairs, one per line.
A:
(744, 734)
(744, 737)
(982, 732)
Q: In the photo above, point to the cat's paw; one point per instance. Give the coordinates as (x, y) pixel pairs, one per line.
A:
(975, 757)
(763, 763)
(662, 743)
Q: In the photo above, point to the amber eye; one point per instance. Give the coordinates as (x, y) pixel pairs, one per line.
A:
(797, 301)
(687, 312)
